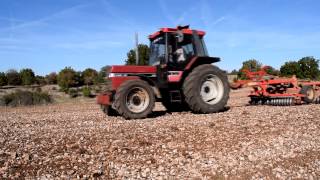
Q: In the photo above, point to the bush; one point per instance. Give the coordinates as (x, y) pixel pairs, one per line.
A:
(40, 80)
(97, 89)
(67, 78)
(38, 89)
(73, 93)
(79, 79)
(51, 78)
(3, 79)
(86, 91)
(13, 77)
(27, 77)
(90, 76)
(25, 98)
(103, 74)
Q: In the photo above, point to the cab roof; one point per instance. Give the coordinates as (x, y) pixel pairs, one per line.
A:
(183, 29)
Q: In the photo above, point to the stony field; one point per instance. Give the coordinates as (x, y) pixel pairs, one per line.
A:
(76, 140)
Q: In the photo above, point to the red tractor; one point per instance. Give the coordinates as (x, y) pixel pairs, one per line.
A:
(180, 75)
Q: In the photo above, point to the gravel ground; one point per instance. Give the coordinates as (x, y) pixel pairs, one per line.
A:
(76, 140)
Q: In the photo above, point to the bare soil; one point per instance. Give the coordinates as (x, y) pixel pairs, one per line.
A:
(76, 140)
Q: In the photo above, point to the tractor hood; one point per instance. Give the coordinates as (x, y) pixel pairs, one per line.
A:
(133, 69)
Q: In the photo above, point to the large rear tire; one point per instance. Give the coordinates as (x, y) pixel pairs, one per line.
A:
(206, 89)
(134, 99)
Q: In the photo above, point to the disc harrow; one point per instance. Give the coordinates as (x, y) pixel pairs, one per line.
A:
(284, 92)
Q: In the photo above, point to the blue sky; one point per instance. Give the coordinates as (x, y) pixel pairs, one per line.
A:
(48, 35)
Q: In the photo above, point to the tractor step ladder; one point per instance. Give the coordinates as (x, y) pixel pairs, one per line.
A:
(175, 96)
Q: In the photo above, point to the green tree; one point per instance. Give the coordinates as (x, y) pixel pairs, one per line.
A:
(86, 91)
(3, 79)
(309, 67)
(291, 68)
(51, 78)
(27, 76)
(251, 65)
(144, 53)
(103, 74)
(13, 77)
(40, 80)
(79, 79)
(272, 71)
(305, 68)
(90, 76)
(67, 78)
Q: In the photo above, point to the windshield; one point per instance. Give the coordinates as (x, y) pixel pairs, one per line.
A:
(157, 51)
(205, 50)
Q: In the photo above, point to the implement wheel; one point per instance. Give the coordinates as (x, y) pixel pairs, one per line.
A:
(134, 99)
(309, 93)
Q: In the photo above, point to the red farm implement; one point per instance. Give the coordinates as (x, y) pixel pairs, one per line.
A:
(284, 92)
(251, 77)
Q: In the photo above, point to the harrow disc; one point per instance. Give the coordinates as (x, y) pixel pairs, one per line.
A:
(281, 102)
(273, 101)
(317, 100)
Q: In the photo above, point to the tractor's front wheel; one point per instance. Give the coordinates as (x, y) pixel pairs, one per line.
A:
(206, 89)
(134, 99)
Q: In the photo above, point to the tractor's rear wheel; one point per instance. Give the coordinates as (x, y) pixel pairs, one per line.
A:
(134, 99)
(206, 89)
(309, 93)
(109, 111)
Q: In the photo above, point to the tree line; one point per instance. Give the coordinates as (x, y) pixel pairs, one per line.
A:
(66, 78)
(304, 68)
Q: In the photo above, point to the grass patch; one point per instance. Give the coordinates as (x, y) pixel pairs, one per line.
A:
(86, 92)
(25, 98)
(73, 93)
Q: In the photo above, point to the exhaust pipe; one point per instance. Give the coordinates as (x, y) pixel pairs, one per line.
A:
(137, 48)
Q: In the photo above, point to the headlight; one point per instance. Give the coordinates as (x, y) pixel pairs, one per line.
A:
(117, 75)
(111, 75)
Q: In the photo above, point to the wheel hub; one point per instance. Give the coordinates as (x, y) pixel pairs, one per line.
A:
(207, 89)
(310, 94)
(137, 100)
(212, 89)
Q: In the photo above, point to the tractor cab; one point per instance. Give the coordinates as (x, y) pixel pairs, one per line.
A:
(175, 47)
